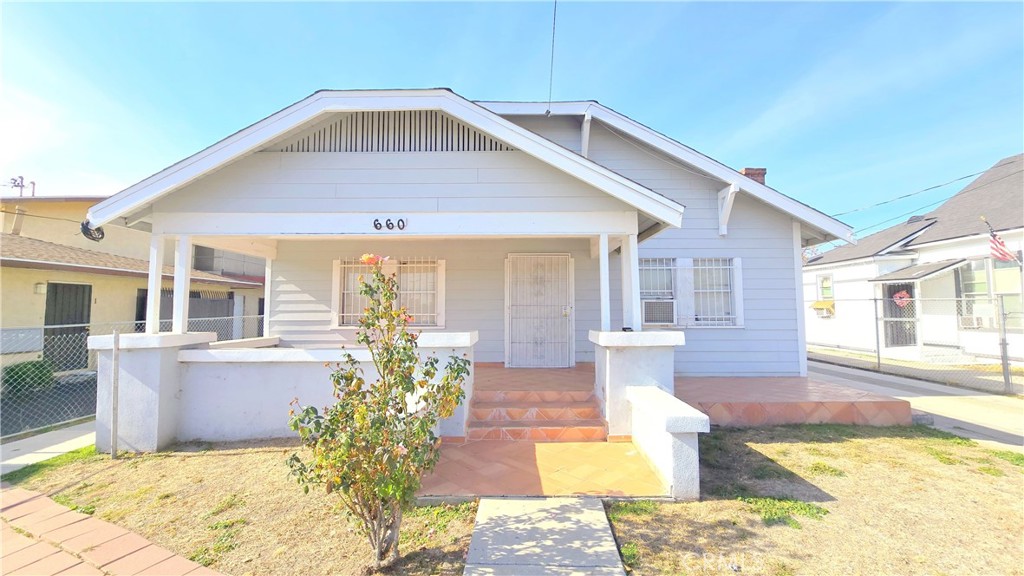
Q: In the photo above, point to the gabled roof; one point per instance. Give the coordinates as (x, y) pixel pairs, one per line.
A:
(873, 245)
(22, 252)
(829, 227)
(314, 108)
(919, 272)
(998, 195)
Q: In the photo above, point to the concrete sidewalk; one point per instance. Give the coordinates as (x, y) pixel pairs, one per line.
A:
(534, 536)
(21, 453)
(43, 538)
(994, 420)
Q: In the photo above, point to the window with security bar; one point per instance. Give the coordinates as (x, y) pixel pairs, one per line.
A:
(690, 292)
(420, 290)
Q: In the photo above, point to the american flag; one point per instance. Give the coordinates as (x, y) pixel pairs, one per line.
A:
(999, 250)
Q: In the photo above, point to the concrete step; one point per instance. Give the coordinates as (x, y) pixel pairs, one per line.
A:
(514, 411)
(592, 430)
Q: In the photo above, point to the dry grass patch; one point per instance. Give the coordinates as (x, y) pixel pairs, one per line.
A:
(234, 508)
(831, 499)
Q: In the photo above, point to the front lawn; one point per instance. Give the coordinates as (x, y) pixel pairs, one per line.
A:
(825, 499)
(234, 508)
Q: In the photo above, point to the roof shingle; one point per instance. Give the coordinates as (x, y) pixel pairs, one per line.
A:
(22, 251)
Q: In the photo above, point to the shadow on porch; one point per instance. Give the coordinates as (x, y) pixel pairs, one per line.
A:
(751, 402)
(503, 468)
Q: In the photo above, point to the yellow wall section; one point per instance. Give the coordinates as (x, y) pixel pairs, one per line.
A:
(113, 296)
(59, 222)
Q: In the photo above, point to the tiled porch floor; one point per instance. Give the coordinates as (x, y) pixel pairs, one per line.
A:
(769, 401)
(504, 468)
(494, 376)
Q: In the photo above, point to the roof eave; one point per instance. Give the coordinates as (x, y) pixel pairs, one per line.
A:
(829, 227)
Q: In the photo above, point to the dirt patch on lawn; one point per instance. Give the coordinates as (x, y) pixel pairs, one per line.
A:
(836, 500)
(234, 508)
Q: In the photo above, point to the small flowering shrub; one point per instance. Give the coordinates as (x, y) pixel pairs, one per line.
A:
(372, 446)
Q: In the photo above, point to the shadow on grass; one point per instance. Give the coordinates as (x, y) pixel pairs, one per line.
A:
(731, 469)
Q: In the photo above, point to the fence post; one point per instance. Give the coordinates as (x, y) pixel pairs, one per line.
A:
(878, 337)
(115, 369)
(1004, 353)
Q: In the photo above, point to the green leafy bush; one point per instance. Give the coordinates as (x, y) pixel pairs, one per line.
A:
(372, 446)
(25, 377)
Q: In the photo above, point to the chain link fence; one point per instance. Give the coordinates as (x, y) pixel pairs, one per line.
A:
(968, 342)
(48, 373)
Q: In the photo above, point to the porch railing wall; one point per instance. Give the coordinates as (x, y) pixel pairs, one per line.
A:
(969, 342)
(49, 374)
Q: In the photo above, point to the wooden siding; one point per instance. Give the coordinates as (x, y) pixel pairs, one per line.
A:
(768, 343)
(393, 131)
(300, 283)
(276, 182)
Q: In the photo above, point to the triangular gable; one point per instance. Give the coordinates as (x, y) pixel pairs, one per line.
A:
(391, 131)
(304, 114)
(680, 152)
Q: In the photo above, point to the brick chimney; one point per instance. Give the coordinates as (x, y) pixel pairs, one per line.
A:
(756, 174)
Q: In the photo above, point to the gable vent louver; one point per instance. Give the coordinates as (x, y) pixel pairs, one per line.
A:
(399, 131)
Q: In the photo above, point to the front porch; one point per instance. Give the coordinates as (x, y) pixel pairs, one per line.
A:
(753, 402)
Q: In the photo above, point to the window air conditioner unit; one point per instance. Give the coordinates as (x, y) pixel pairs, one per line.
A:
(972, 322)
(661, 312)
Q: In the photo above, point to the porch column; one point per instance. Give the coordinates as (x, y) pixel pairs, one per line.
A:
(156, 274)
(606, 307)
(182, 281)
(632, 313)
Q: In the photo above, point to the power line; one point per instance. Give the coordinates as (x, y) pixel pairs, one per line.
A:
(27, 215)
(551, 72)
(916, 210)
(922, 191)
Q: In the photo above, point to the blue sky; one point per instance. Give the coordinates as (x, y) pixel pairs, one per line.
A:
(845, 104)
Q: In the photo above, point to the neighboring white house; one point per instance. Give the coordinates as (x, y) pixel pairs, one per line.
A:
(937, 285)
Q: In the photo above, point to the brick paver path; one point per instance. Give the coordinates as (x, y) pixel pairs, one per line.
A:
(43, 538)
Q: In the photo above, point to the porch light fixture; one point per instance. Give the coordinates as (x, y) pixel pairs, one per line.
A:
(39, 288)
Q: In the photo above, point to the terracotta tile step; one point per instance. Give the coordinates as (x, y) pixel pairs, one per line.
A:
(512, 411)
(540, 431)
(533, 395)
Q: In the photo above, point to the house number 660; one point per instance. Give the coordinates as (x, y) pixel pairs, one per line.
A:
(389, 224)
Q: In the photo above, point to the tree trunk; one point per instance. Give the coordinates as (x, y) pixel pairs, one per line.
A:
(384, 536)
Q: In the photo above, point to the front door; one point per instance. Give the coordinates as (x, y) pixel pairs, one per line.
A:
(539, 311)
(67, 314)
(900, 315)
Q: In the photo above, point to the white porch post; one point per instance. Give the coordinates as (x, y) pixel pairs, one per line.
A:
(182, 281)
(632, 313)
(606, 307)
(156, 274)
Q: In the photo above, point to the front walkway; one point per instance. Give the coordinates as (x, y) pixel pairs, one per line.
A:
(533, 536)
(43, 538)
(505, 468)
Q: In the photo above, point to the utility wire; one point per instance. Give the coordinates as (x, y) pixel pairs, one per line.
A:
(551, 71)
(916, 210)
(27, 215)
(922, 191)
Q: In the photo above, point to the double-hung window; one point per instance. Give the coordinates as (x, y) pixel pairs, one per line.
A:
(420, 290)
(691, 292)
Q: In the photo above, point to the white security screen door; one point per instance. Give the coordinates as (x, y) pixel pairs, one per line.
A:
(539, 311)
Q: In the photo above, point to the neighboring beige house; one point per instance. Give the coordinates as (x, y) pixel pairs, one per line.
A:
(50, 274)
